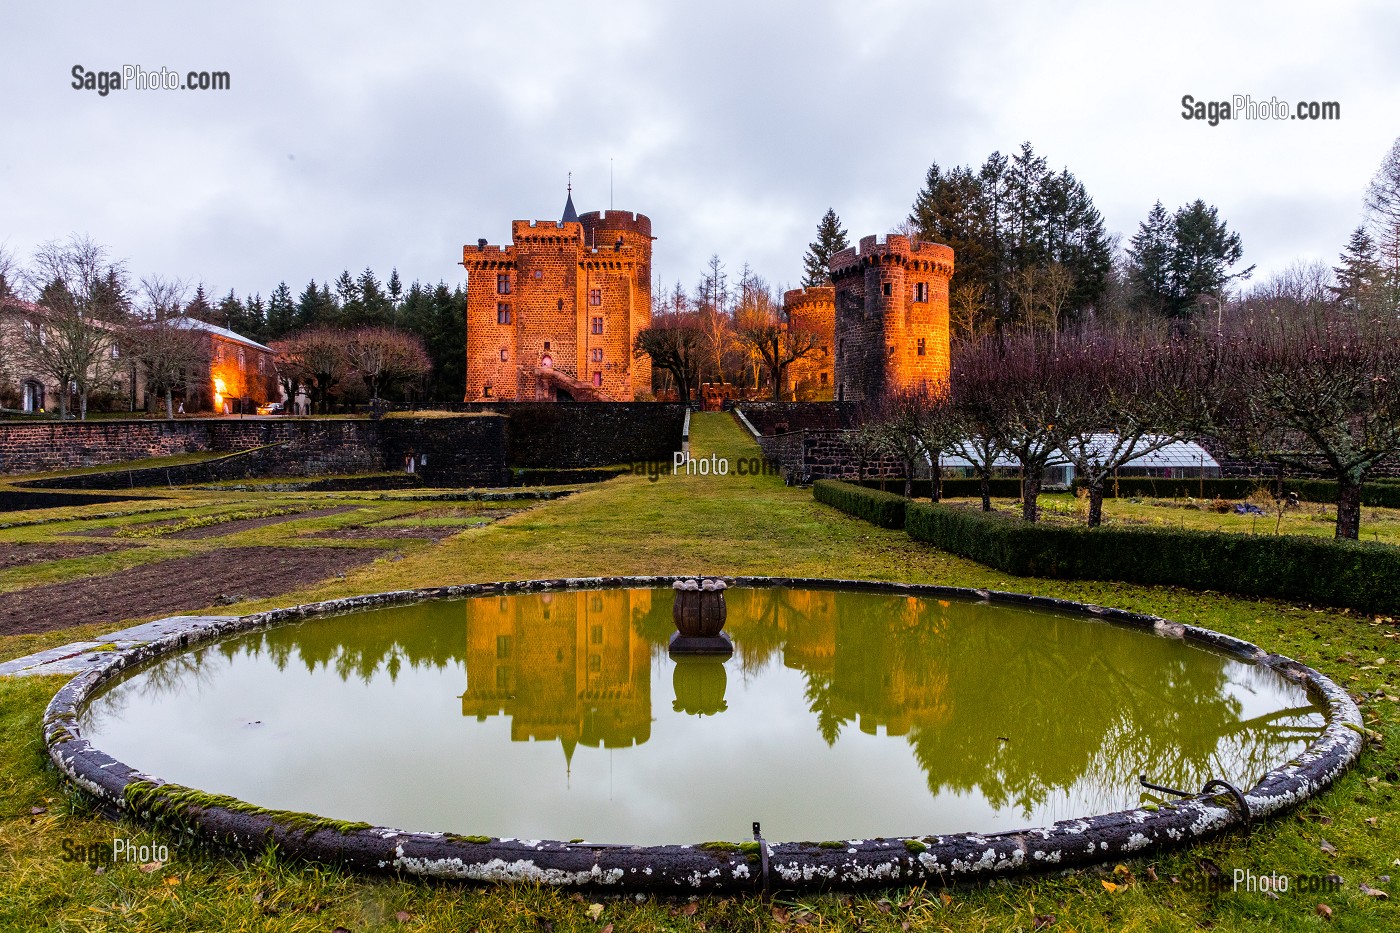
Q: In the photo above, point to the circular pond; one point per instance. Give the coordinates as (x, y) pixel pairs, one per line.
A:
(859, 715)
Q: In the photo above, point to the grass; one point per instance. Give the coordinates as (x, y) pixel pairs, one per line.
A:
(730, 524)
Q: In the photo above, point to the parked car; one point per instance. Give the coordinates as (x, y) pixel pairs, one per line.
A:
(271, 408)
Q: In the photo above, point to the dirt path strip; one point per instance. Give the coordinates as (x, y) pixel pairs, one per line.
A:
(21, 555)
(183, 584)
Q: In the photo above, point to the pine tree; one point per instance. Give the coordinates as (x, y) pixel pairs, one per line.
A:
(199, 306)
(831, 239)
(1358, 274)
(1203, 252)
(255, 319)
(230, 314)
(374, 306)
(395, 292)
(1150, 260)
(315, 306)
(281, 311)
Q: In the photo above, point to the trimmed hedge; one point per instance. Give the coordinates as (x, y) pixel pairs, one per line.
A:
(1001, 487)
(1364, 576)
(880, 508)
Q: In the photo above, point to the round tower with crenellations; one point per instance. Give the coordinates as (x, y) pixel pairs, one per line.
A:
(892, 333)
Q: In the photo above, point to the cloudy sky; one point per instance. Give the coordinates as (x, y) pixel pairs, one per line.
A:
(382, 135)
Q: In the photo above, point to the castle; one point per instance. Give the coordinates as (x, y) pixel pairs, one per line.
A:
(553, 316)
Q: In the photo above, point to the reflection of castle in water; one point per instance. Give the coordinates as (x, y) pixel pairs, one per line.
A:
(563, 666)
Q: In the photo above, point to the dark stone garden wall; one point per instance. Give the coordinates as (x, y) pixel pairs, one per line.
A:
(309, 446)
(770, 418)
(566, 435)
(469, 450)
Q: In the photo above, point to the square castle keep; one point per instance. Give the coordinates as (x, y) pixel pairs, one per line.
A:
(553, 316)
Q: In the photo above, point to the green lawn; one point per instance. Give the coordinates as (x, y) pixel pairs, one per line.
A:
(729, 525)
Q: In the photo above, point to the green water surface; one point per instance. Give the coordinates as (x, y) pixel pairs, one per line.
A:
(841, 715)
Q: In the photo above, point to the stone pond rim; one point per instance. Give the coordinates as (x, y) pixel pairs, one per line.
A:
(121, 791)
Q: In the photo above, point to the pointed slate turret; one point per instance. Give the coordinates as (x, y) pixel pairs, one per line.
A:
(570, 215)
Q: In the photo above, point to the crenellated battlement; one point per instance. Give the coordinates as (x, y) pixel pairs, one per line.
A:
(817, 294)
(892, 248)
(616, 221)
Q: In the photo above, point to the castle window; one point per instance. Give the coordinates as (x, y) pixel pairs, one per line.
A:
(597, 354)
(486, 390)
(823, 378)
(242, 359)
(921, 291)
(503, 283)
(561, 304)
(597, 378)
(597, 325)
(504, 355)
(116, 352)
(595, 296)
(595, 634)
(502, 313)
(921, 346)
(595, 664)
(546, 346)
(887, 289)
(502, 646)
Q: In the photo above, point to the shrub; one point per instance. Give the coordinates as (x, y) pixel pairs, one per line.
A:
(1364, 576)
(880, 508)
(1001, 487)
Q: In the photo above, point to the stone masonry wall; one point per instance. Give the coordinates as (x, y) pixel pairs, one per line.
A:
(560, 435)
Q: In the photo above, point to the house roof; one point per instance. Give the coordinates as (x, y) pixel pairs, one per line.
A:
(1174, 454)
(196, 324)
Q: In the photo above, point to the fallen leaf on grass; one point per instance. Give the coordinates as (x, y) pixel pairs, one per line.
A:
(403, 916)
(595, 911)
(173, 880)
(1151, 873)
(1328, 848)
(1112, 888)
(148, 867)
(947, 898)
(1043, 920)
(606, 929)
(687, 911)
(38, 811)
(1369, 891)
(1324, 911)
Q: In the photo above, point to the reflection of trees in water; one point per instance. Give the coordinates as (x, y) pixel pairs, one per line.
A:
(181, 675)
(1031, 710)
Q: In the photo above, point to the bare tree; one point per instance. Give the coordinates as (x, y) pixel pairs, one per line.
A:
(1310, 389)
(168, 351)
(385, 357)
(1132, 394)
(968, 310)
(1015, 388)
(777, 342)
(676, 344)
(894, 421)
(9, 332)
(81, 299)
(314, 358)
(1383, 214)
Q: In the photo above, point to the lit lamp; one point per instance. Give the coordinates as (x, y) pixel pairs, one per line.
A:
(219, 389)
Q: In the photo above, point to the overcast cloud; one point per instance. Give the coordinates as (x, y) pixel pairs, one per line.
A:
(389, 135)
